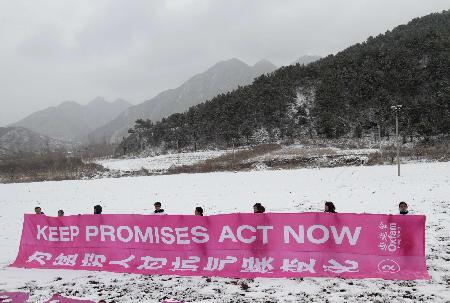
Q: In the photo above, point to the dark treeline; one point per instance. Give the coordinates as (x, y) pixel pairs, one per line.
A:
(349, 94)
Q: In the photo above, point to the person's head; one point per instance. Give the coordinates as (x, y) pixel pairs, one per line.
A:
(403, 208)
(60, 213)
(102, 301)
(157, 205)
(38, 210)
(198, 211)
(329, 207)
(258, 208)
(98, 209)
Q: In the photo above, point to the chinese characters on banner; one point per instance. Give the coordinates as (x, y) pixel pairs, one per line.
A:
(232, 245)
(13, 297)
(60, 299)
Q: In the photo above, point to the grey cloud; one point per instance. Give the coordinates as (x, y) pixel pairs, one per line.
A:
(53, 50)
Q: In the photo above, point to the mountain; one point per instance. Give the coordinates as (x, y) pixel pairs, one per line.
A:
(347, 95)
(305, 60)
(223, 77)
(71, 121)
(15, 140)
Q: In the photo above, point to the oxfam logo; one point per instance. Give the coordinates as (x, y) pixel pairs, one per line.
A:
(388, 266)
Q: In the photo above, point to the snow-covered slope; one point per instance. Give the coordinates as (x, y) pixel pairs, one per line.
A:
(375, 189)
(159, 163)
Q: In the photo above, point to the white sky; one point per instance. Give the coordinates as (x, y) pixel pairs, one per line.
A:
(54, 50)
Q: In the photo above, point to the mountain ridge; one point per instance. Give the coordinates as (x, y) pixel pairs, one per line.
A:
(222, 77)
(71, 121)
(17, 140)
(346, 95)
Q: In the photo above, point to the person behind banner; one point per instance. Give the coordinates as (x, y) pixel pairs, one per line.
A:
(258, 208)
(98, 209)
(198, 211)
(60, 213)
(329, 207)
(38, 211)
(158, 209)
(403, 208)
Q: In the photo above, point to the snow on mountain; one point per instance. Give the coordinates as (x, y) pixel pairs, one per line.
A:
(14, 140)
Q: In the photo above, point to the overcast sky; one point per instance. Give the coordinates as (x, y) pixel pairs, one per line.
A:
(53, 51)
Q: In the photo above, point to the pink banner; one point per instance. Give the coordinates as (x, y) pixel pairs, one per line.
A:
(14, 297)
(60, 299)
(231, 245)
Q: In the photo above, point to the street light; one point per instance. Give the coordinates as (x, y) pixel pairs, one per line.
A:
(396, 108)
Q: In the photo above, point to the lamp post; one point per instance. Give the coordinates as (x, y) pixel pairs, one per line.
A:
(396, 108)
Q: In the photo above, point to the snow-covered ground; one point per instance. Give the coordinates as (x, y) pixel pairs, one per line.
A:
(160, 163)
(375, 189)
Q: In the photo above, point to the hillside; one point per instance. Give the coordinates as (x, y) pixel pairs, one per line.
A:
(349, 94)
(17, 140)
(220, 78)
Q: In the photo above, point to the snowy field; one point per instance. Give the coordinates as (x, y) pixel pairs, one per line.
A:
(160, 163)
(375, 189)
